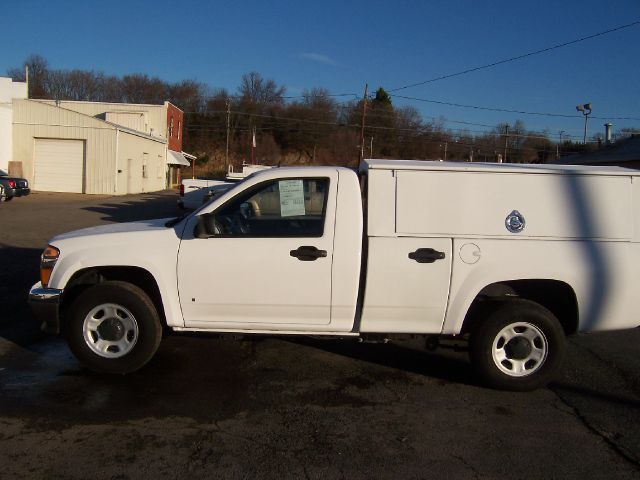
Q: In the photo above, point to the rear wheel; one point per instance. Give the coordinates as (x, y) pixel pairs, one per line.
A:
(519, 346)
(113, 327)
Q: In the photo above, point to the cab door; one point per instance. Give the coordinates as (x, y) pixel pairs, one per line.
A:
(263, 259)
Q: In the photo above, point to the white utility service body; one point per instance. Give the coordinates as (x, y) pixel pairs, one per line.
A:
(290, 251)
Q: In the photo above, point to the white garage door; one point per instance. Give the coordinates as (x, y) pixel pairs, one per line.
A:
(59, 165)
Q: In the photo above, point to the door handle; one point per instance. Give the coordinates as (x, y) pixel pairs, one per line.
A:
(426, 255)
(308, 253)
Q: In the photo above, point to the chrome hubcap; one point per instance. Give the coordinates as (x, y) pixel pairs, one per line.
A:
(110, 330)
(519, 349)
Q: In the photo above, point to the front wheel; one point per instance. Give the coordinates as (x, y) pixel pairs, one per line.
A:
(113, 327)
(519, 346)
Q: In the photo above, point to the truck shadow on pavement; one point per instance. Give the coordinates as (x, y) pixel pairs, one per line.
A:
(564, 389)
(444, 365)
(211, 378)
(20, 270)
(139, 207)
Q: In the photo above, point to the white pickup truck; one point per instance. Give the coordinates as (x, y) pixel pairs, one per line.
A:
(509, 258)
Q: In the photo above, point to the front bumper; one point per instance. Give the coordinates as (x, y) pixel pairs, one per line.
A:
(45, 305)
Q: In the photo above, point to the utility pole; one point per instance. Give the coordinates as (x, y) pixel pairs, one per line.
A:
(253, 145)
(26, 77)
(364, 114)
(506, 139)
(558, 146)
(445, 151)
(226, 155)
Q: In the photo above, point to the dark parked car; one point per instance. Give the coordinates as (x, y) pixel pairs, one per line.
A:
(12, 187)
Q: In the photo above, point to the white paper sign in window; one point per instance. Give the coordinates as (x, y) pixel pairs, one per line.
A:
(291, 198)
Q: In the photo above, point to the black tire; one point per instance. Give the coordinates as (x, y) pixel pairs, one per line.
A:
(8, 199)
(140, 330)
(519, 346)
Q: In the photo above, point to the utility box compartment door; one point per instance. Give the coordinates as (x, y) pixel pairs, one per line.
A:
(403, 294)
(473, 204)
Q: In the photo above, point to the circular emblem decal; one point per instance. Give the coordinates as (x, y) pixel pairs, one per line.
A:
(515, 222)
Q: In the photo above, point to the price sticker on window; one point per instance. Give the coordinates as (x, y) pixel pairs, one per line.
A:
(291, 198)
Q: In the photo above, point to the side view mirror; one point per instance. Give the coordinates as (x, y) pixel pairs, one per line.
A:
(207, 226)
(201, 230)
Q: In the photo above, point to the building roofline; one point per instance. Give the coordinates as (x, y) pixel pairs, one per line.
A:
(135, 132)
(167, 102)
(113, 125)
(104, 103)
(622, 151)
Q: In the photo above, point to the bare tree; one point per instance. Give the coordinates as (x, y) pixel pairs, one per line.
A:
(254, 89)
(139, 88)
(314, 129)
(38, 75)
(189, 95)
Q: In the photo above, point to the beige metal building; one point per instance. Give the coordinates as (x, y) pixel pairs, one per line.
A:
(145, 118)
(72, 150)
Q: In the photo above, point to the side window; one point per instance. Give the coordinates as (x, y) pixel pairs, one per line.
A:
(281, 208)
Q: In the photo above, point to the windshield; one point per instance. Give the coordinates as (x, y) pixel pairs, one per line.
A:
(3, 173)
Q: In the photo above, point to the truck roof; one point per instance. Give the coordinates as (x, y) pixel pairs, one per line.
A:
(436, 165)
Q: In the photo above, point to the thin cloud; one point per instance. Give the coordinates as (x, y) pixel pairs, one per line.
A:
(320, 58)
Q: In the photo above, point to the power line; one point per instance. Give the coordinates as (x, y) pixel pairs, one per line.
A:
(532, 134)
(224, 96)
(414, 133)
(373, 113)
(518, 57)
(422, 129)
(349, 104)
(506, 110)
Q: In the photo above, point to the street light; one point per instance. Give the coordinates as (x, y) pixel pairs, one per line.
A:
(586, 110)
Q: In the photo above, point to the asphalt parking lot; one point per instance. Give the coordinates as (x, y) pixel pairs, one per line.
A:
(288, 408)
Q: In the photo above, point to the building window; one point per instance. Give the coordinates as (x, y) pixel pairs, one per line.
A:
(171, 127)
(179, 128)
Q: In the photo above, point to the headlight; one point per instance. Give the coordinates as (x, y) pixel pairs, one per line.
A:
(47, 262)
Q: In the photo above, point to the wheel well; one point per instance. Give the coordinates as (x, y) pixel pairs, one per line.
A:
(556, 296)
(83, 279)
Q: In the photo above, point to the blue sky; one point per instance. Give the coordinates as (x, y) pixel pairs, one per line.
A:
(341, 45)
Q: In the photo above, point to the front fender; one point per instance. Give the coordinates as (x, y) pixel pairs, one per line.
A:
(159, 262)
